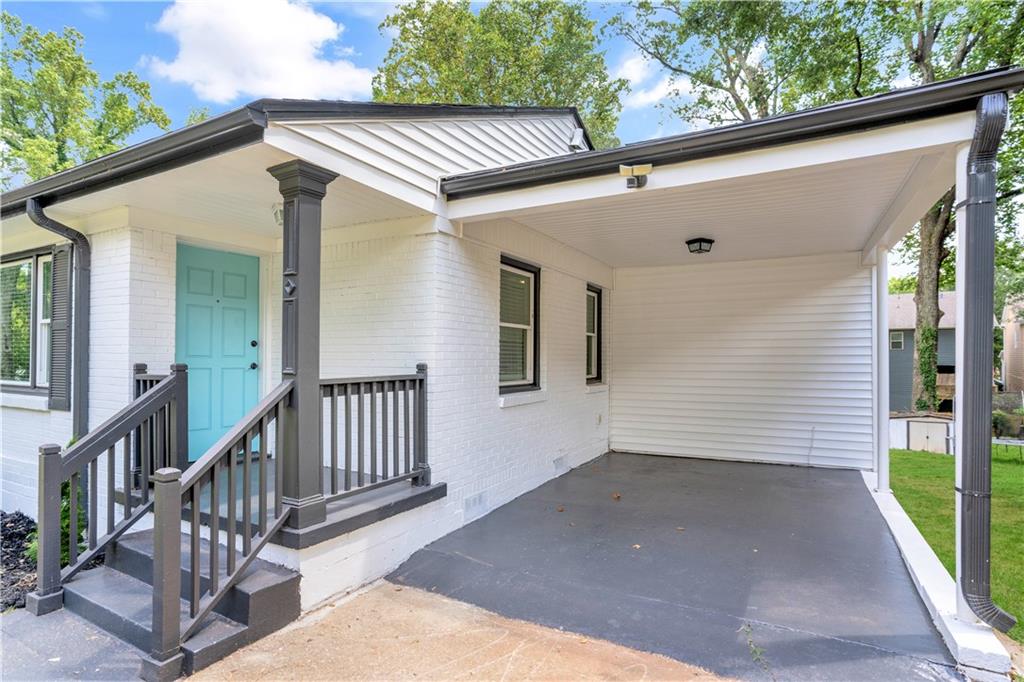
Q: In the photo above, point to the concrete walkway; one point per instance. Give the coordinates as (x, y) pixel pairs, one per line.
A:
(752, 571)
(394, 633)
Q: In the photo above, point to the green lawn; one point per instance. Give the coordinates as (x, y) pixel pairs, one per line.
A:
(923, 483)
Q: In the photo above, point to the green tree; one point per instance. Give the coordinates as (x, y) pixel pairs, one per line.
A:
(529, 53)
(56, 111)
(934, 40)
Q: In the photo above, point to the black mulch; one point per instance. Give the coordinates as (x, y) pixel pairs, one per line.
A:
(19, 572)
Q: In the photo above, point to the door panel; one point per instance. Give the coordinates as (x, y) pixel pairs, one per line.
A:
(217, 321)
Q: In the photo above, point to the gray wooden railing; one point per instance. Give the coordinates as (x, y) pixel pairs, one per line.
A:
(234, 467)
(376, 432)
(154, 426)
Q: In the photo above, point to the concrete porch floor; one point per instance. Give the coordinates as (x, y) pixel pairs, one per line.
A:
(752, 571)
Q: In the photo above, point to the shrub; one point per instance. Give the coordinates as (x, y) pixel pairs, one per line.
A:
(1001, 423)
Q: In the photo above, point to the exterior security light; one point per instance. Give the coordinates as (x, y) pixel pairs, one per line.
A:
(700, 244)
(636, 176)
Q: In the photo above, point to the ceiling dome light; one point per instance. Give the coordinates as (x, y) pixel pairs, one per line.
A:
(700, 244)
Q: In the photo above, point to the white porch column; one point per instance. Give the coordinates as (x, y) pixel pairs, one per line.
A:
(963, 611)
(882, 369)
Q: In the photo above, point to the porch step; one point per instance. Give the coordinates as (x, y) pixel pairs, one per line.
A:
(266, 598)
(123, 606)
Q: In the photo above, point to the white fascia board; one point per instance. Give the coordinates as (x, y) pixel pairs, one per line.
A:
(930, 136)
(925, 182)
(303, 147)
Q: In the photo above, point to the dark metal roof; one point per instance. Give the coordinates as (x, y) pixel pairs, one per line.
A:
(935, 99)
(228, 131)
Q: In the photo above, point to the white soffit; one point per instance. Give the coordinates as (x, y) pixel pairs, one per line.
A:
(823, 196)
(231, 192)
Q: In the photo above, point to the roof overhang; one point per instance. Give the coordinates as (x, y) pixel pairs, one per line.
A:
(901, 106)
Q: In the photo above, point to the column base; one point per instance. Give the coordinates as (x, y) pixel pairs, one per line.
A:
(306, 512)
(168, 669)
(42, 604)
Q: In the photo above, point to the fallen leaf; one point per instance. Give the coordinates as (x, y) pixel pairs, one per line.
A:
(572, 523)
(755, 549)
(636, 546)
(561, 509)
(616, 496)
(680, 529)
(398, 588)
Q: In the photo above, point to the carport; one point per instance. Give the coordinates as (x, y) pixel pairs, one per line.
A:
(754, 571)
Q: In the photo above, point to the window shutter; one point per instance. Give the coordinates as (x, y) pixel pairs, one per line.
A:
(60, 330)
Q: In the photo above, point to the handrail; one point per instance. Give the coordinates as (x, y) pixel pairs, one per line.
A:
(153, 427)
(204, 464)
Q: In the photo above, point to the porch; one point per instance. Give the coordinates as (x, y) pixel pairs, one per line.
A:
(753, 571)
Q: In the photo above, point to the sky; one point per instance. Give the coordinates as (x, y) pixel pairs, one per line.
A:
(220, 55)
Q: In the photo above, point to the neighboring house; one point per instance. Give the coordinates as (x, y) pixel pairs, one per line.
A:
(902, 322)
(1013, 346)
(474, 302)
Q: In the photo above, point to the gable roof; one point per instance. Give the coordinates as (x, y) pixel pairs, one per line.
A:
(234, 129)
(900, 106)
(903, 311)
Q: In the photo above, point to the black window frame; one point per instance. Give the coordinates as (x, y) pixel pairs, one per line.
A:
(31, 387)
(598, 332)
(534, 270)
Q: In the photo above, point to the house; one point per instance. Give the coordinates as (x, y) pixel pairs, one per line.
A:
(1013, 346)
(902, 323)
(308, 338)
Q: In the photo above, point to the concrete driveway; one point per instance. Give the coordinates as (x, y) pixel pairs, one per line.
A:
(752, 571)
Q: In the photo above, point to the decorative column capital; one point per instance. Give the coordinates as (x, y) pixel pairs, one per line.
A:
(301, 177)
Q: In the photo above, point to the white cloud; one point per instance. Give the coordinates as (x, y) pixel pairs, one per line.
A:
(635, 68)
(654, 93)
(644, 91)
(261, 48)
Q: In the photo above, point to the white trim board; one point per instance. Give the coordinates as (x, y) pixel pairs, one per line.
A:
(978, 653)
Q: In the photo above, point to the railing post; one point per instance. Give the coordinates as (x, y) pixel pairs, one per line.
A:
(303, 187)
(179, 416)
(422, 465)
(49, 595)
(138, 369)
(165, 659)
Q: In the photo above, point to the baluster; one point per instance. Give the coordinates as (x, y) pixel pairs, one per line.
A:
(158, 441)
(214, 527)
(334, 440)
(348, 436)
(126, 456)
(373, 432)
(111, 461)
(384, 430)
(73, 532)
(93, 520)
(232, 503)
(278, 460)
(194, 557)
(407, 433)
(263, 476)
(394, 426)
(246, 496)
(361, 417)
(146, 454)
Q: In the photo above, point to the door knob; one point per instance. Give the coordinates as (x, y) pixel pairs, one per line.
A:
(253, 365)
(253, 343)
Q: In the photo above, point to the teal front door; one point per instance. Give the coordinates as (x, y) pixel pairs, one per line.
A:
(217, 337)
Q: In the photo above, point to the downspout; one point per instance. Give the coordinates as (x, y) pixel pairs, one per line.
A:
(81, 259)
(975, 489)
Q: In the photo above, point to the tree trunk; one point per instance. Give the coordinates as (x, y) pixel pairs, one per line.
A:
(933, 230)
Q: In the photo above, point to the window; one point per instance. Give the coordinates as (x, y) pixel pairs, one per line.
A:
(593, 334)
(26, 305)
(518, 339)
(895, 340)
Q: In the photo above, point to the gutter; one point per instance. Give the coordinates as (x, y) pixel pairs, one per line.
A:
(81, 261)
(935, 99)
(975, 481)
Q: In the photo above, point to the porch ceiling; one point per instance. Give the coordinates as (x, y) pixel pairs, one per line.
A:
(843, 194)
(231, 192)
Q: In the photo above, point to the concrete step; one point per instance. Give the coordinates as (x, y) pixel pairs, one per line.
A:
(123, 606)
(266, 598)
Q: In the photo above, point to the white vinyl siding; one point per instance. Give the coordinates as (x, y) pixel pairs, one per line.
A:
(765, 361)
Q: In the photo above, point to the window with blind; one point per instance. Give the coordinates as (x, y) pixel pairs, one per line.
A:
(518, 342)
(593, 334)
